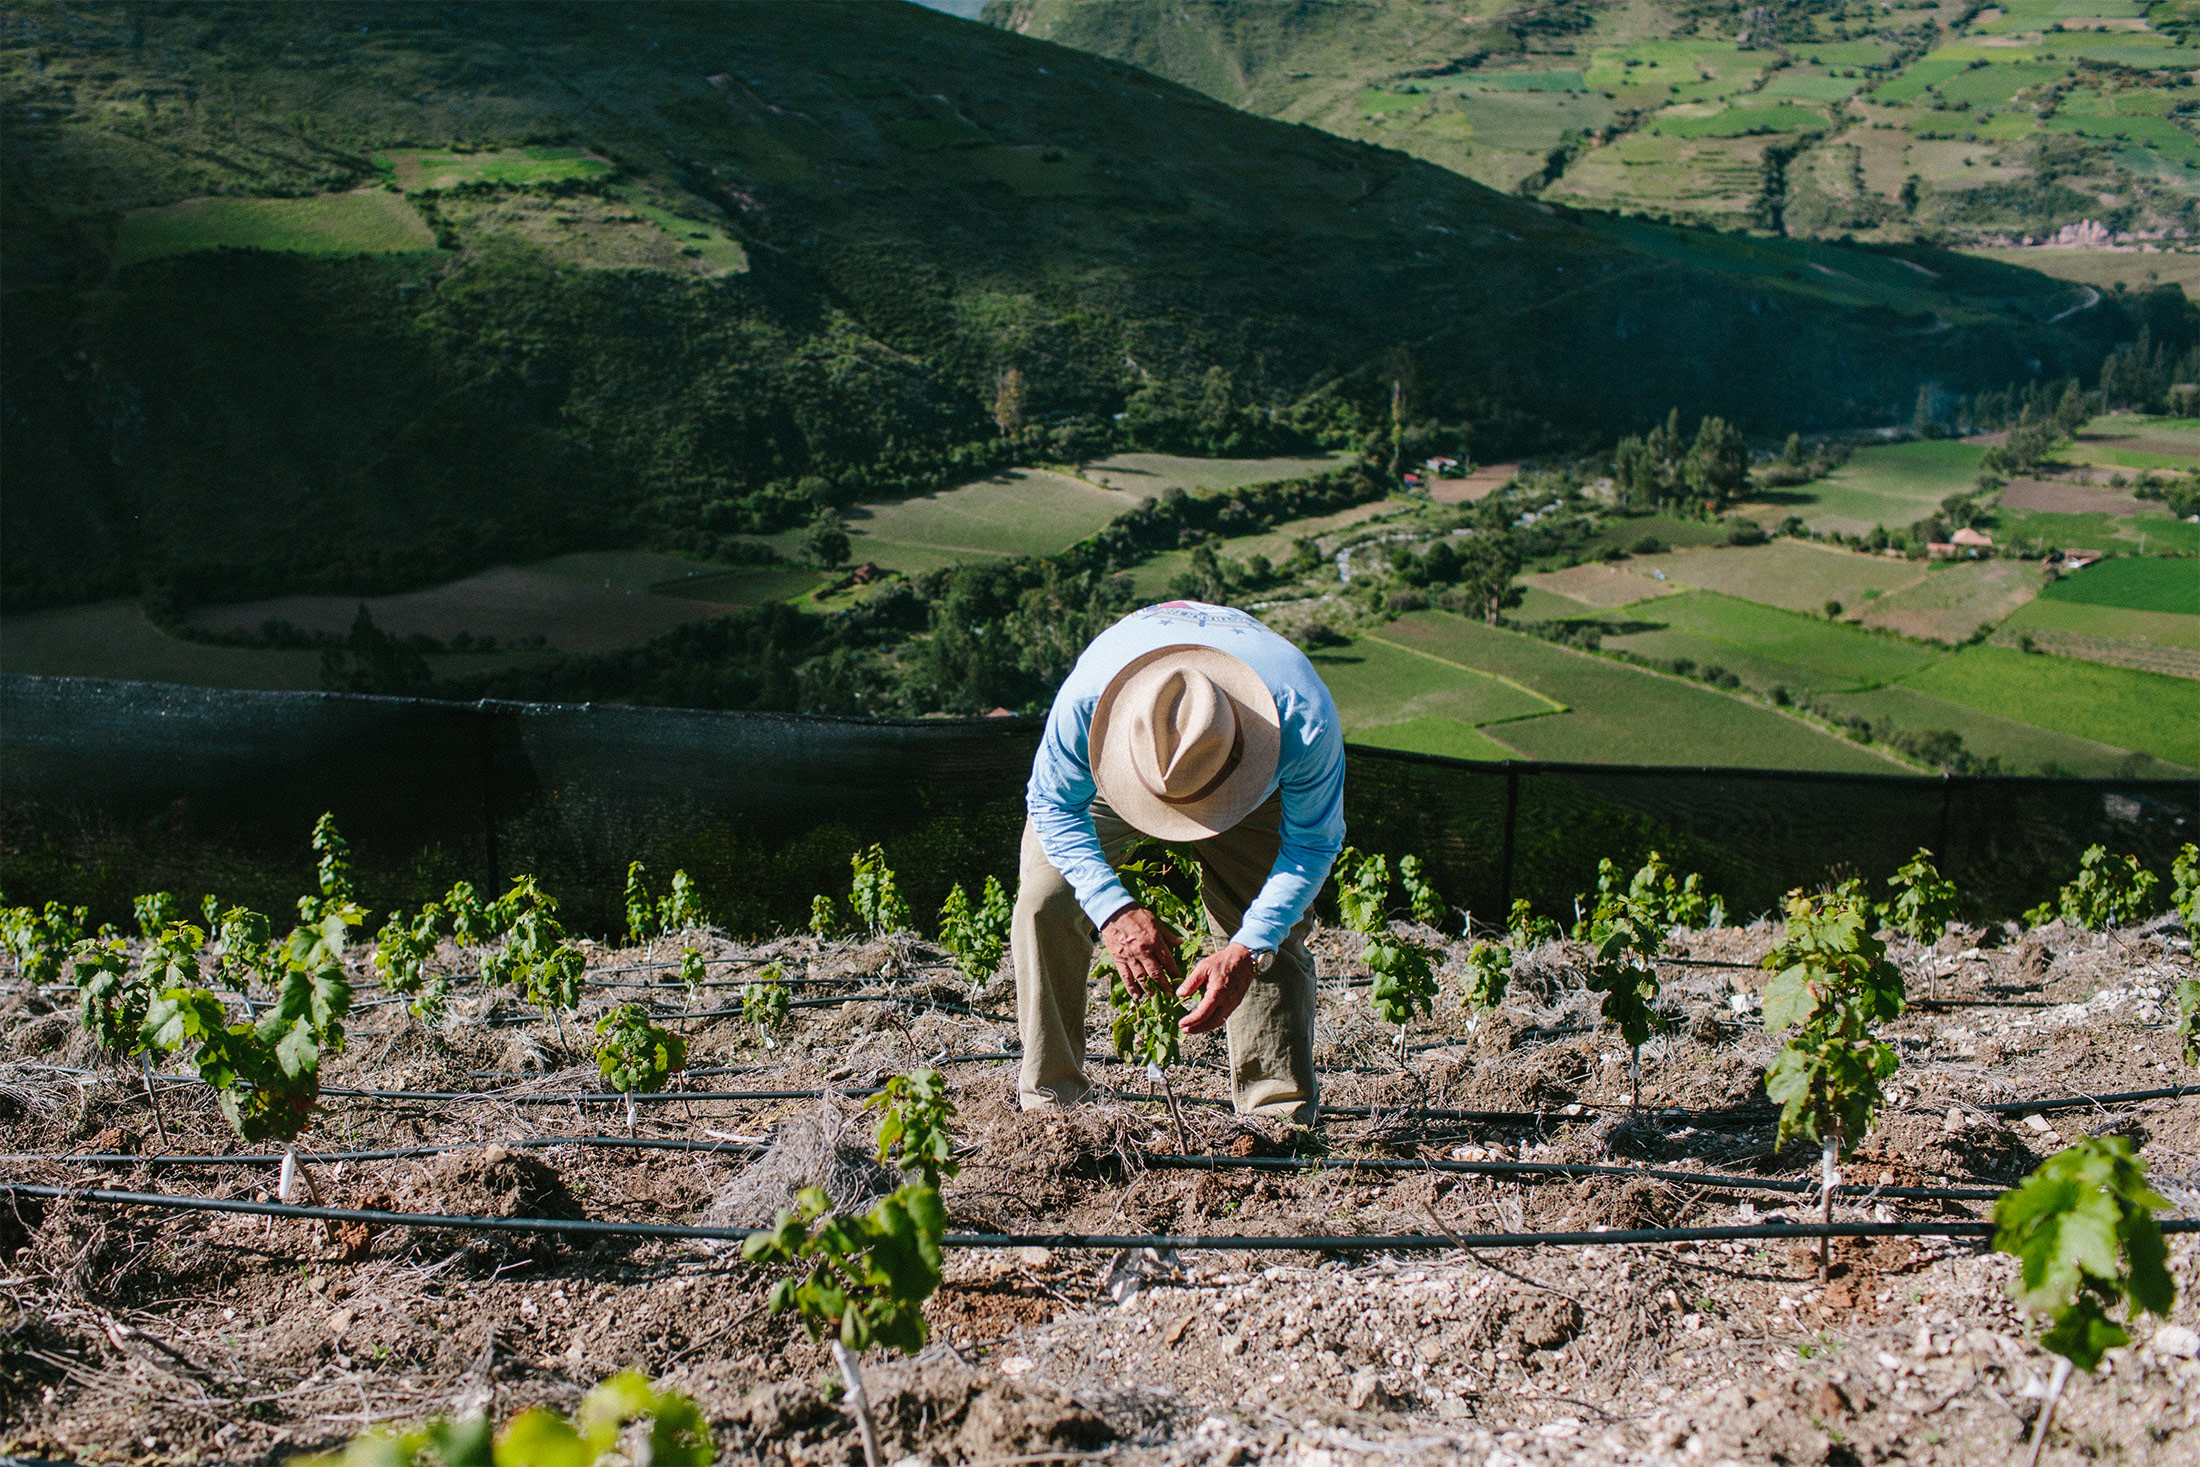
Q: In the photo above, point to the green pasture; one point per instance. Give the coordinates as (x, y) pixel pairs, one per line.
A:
(1374, 102)
(2151, 712)
(745, 585)
(2158, 133)
(2043, 530)
(2018, 16)
(1619, 714)
(1893, 485)
(635, 571)
(712, 245)
(1916, 78)
(1378, 681)
(1765, 646)
(1737, 122)
(1533, 120)
(1567, 80)
(1844, 53)
(1148, 475)
(1997, 82)
(1792, 574)
(2023, 748)
(2136, 49)
(1018, 512)
(2142, 584)
(1812, 86)
(2111, 623)
(1626, 534)
(1685, 70)
(365, 221)
(1433, 735)
(433, 169)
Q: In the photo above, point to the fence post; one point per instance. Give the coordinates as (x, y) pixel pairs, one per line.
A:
(1512, 815)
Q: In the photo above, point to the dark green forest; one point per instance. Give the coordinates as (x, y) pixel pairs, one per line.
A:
(926, 207)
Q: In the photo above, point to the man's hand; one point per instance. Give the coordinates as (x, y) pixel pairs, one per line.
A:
(1225, 976)
(1144, 950)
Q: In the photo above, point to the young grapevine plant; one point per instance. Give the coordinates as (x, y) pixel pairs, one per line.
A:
(765, 1004)
(331, 872)
(1655, 895)
(2083, 1232)
(824, 921)
(875, 895)
(2184, 892)
(648, 916)
(1831, 983)
(977, 936)
(679, 1436)
(1525, 929)
(1404, 972)
(1924, 902)
(1421, 898)
(403, 953)
(41, 940)
(266, 1072)
(636, 1056)
(868, 1276)
(1489, 971)
(536, 961)
(916, 1117)
(2110, 891)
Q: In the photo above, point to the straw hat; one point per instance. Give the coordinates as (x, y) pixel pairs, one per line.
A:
(1184, 742)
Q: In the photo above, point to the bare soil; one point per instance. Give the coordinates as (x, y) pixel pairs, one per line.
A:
(151, 1336)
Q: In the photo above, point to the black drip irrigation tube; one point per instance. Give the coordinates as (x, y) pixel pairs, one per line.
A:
(394, 1153)
(1714, 1180)
(1374, 1243)
(1158, 1160)
(598, 1097)
(943, 1005)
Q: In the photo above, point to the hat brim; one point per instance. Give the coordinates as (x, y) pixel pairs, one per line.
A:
(1238, 795)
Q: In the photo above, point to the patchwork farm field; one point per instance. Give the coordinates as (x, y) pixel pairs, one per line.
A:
(1017, 512)
(2150, 712)
(364, 221)
(1315, 1292)
(1148, 475)
(2142, 585)
(1619, 714)
(1794, 575)
(1894, 485)
(1767, 646)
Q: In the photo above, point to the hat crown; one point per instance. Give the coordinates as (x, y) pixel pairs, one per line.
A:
(1183, 735)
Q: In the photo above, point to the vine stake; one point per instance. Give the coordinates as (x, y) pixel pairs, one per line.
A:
(852, 1373)
(2055, 1384)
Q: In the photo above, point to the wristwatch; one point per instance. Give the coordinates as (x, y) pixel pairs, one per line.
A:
(1263, 959)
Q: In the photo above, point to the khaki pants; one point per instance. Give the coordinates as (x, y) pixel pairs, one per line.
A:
(1271, 1032)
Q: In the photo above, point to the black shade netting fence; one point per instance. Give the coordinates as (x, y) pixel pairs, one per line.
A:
(109, 789)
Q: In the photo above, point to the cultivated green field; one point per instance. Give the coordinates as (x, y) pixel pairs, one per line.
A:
(1793, 574)
(2022, 748)
(363, 222)
(1767, 647)
(1434, 736)
(1624, 715)
(1018, 512)
(1377, 681)
(1149, 474)
(1150, 578)
(1894, 485)
(430, 169)
(2150, 712)
(2085, 619)
(2152, 584)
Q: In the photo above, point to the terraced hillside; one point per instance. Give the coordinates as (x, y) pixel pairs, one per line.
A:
(1997, 126)
(359, 298)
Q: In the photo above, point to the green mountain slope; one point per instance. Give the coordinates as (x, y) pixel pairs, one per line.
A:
(356, 296)
(1821, 118)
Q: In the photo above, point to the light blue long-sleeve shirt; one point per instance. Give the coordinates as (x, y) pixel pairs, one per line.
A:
(1309, 765)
